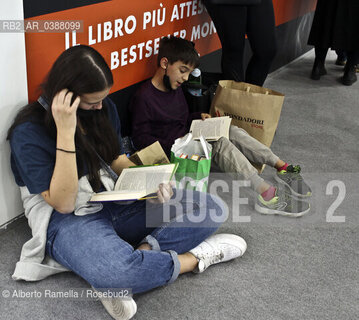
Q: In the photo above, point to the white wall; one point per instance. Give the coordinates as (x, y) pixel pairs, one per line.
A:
(13, 95)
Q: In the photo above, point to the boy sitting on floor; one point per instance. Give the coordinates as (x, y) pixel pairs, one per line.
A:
(160, 112)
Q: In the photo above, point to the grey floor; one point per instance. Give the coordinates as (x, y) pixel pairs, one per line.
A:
(304, 268)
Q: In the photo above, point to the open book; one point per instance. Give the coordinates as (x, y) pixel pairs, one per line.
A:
(212, 129)
(137, 182)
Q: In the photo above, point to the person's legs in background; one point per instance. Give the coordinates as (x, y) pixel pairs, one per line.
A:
(319, 63)
(342, 57)
(262, 38)
(230, 22)
(349, 76)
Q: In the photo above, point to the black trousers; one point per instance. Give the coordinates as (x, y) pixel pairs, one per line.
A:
(233, 23)
(352, 56)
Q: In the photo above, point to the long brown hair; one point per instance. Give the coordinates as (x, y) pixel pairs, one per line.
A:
(82, 70)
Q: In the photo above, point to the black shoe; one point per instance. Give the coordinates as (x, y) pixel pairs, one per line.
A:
(339, 62)
(349, 76)
(318, 70)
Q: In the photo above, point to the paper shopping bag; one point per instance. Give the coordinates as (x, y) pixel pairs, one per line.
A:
(252, 108)
(153, 154)
(192, 173)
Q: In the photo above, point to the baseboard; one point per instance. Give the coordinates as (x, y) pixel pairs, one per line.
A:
(12, 223)
(275, 72)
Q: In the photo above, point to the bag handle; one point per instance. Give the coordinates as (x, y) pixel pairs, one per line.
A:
(182, 143)
(204, 146)
(249, 88)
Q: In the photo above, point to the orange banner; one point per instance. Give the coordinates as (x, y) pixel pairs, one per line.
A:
(286, 10)
(127, 34)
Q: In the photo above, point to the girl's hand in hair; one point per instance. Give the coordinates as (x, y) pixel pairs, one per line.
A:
(62, 192)
(64, 112)
(164, 193)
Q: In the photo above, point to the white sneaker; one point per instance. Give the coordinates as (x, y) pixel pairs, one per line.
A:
(119, 308)
(218, 248)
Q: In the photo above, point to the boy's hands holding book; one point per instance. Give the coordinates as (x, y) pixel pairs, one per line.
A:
(205, 116)
(212, 129)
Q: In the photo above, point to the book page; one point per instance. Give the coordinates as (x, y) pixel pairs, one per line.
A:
(144, 178)
(211, 129)
(137, 182)
(117, 195)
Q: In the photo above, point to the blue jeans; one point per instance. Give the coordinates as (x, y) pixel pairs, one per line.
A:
(99, 247)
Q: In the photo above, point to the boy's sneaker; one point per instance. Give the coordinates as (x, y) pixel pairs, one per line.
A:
(119, 308)
(294, 181)
(218, 248)
(282, 203)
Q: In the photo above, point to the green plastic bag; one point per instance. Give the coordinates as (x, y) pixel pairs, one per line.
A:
(192, 174)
